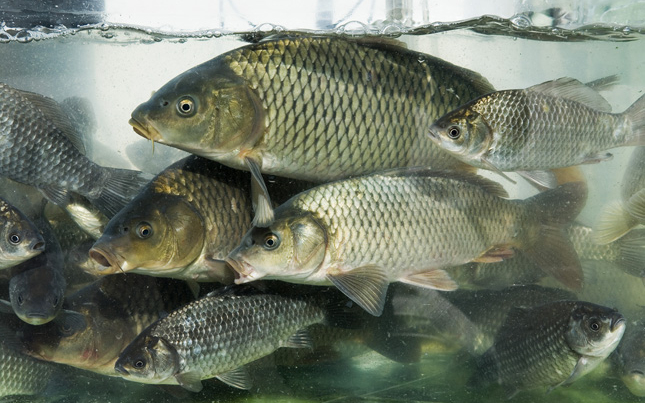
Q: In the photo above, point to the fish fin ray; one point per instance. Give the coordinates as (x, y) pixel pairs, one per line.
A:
(261, 200)
(491, 167)
(300, 339)
(436, 279)
(542, 179)
(5, 306)
(56, 195)
(636, 115)
(613, 223)
(366, 285)
(496, 253)
(118, 189)
(632, 252)
(237, 378)
(573, 90)
(603, 83)
(190, 381)
(636, 205)
(218, 270)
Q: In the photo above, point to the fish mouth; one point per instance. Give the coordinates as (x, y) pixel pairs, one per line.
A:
(106, 260)
(145, 131)
(118, 367)
(616, 322)
(433, 136)
(244, 272)
(38, 246)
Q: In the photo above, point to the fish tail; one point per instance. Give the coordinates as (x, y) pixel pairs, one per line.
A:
(485, 370)
(632, 253)
(613, 223)
(636, 115)
(118, 189)
(549, 247)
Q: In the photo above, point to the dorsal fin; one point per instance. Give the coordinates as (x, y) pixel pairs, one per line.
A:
(55, 113)
(572, 89)
(488, 185)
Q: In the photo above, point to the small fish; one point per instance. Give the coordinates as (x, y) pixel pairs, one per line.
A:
(310, 108)
(360, 234)
(184, 222)
(620, 217)
(37, 286)
(549, 345)
(41, 147)
(555, 124)
(215, 336)
(630, 358)
(20, 239)
(101, 319)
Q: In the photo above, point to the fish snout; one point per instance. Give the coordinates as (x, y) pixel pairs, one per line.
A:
(144, 130)
(617, 321)
(244, 272)
(105, 259)
(118, 367)
(37, 245)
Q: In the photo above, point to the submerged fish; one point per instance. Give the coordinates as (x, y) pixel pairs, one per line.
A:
(19, 237)
(630, 358)
(40, 147)
(555, 124)
(214, 337)
(550, 345)
(184, 222)
(312, 108)
(361, 234)
(37, 286)
(619, 217)
(113, 311)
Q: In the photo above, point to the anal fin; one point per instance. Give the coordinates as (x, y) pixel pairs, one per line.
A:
(436, 279)
(237, 378)
(495, 254)
(300, 339)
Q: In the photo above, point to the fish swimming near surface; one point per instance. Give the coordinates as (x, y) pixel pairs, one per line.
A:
(549, 345)
(555, 124)
(184, 222)
(215, 336)
(41, 147)
(310, 108)
(360, 234)
(20, 239)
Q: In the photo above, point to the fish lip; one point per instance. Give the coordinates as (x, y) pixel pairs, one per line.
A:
(101, 256)
(244, 272)
(144, 130)
(433, 135)
(616, 321)
(118, 367)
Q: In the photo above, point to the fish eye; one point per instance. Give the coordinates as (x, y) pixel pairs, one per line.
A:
(271, 241)
(454, 132)
(139, 364)
(14, 239)
(186, 106)
(594, 325)
(144, 230)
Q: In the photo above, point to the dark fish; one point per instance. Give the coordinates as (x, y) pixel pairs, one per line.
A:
(217, 335)
(549, 345)
(363, 233)
(630, 358)
(101, 319)
(555, 124)
(19, 237)
(311, 108)
(40, 147)
(184, 222)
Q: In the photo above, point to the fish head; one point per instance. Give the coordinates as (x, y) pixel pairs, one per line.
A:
(292, 249)
(37, 294)
(148, 359)
(20, 240)
(207, 110)
(462, 132)
(595, 330)
(160, 232)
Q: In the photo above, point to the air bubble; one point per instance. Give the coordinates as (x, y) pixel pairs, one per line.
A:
(521, 21)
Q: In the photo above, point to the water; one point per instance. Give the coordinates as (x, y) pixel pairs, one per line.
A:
(117, 68)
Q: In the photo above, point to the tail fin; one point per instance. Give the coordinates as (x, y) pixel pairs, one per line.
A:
(550, 248)
(636, 115)
(632, 253)
(613, 223)
(119, 188)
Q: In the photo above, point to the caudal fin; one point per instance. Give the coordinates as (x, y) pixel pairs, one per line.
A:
(119, 188)
(549, 247)
(635, 115)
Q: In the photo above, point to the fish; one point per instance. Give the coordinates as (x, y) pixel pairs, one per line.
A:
(556, 124)
(101, 319)
(42, 148)
(549, 345)
(310, 108)
(620, 217)
(184, 222)
(20, 239)
(215, 336)
(630, 358)
(87, 216)
(37, 286)
(361, 234)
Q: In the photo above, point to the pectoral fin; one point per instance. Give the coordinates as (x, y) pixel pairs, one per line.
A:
(542, 179)
(237, 378)
(261, 200)
(190, 381)
(366, 285)
(491, 167)
(496, 254)
(435, 279)
(5, 306)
